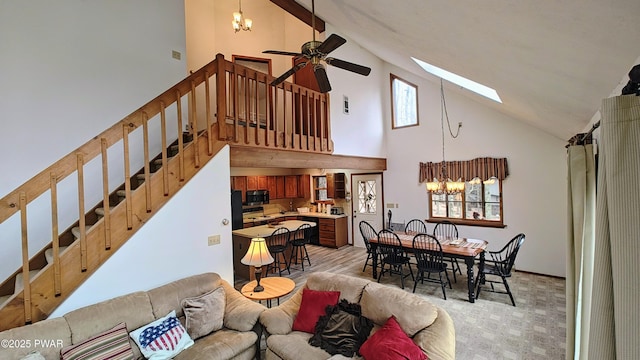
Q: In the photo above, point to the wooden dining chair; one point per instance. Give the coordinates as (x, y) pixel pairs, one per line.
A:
(416, 226)
(429, 260)
(393, 257)
(368, 232)
(448, 230)
(277, 244)
(500, 265)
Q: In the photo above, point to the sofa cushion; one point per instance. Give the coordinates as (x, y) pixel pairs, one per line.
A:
(168, 297)
(342, 330)
(313, 306)
(163, 338)
(112, 344)
(220, 345)
(204, 314)
(134, 309)
(391, 343)
(55, 328)
(379, 302)
(350, 287)
(295, 346)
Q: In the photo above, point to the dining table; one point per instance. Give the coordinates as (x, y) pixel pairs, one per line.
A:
(460, 248)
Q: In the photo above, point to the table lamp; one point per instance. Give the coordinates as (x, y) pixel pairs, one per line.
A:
(257, 255)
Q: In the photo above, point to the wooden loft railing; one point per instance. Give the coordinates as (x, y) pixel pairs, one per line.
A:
(286, 117)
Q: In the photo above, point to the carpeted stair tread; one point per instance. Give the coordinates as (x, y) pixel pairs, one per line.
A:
(20, 280)
(121, 193)
(4, 298)
(76, 232)
(48, 254)
(100, 211)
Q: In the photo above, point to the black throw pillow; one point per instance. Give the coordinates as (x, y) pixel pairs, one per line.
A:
(342, 330)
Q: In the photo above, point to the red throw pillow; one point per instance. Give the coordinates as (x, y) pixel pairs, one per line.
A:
(312, 307)
(391, 343)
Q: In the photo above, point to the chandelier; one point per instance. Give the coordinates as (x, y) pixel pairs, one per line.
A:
(444, 184)
(239, 21)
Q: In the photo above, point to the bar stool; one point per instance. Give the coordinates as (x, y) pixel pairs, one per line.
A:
(301, 237)
(277, 244)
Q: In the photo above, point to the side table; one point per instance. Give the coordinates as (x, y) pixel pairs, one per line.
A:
(274, 288)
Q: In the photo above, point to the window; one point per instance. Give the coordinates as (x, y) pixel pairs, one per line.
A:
(404, 103)
(320, 188)
(479, 204)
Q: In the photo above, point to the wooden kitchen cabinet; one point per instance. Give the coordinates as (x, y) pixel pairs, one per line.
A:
(336, 186)
(272, 187)
(333, 232)
(291, 186)
(240, 183)
(304, 186)
(262, 183)
(280, 188)
(252, 183)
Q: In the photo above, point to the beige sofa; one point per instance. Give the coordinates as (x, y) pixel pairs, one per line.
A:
(238, 339)
(429, 326)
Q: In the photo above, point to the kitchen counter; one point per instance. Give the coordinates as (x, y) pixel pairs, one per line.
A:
(266, 230)
(277, 216)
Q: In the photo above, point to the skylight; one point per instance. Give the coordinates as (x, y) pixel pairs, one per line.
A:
(459, 80)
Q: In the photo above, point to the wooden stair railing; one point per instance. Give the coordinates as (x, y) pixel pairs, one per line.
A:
(295, 118)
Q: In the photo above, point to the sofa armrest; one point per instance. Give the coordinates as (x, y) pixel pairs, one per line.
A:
(438, 340)
(279, 320)
(240, 313)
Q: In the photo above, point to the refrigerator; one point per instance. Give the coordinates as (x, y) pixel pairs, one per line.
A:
(236, 209)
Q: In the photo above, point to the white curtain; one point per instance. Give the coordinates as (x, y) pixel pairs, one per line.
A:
(615, 309)
(580, 246)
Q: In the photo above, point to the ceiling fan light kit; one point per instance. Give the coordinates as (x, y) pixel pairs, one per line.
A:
(316, 54)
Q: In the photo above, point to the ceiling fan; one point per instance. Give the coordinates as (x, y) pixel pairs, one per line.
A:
(315, 53)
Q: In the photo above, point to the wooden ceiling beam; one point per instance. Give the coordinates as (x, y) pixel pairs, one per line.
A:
(244, 156)
(300, 12)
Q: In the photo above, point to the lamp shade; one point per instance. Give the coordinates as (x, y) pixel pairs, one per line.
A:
(257, 254)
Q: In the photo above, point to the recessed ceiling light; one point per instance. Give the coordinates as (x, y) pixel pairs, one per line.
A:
(459, 80)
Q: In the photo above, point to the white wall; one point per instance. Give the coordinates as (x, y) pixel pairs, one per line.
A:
(70, 70)
(172, 244)
(534, 194)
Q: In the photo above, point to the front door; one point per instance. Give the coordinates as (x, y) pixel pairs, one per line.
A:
(366, 193)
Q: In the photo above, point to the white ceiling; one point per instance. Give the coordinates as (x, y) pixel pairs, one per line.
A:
(551, 61)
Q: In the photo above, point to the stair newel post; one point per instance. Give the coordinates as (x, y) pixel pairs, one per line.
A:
(127, 175)
(193, 123)
(55, 240)
(180, 135)
(221, 97)
(147, 167)
(105, 194)
(165, 165)
(81, 212)
(25, 257)
(207, 95)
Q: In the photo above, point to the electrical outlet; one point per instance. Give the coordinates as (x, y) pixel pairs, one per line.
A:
(214, 240)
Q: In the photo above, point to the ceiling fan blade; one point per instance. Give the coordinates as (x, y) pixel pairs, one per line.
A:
(321, 77)
(331, 43)
(359, 69)
(277, 52)
(289, 72)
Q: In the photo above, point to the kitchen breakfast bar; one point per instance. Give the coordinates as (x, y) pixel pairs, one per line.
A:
(329, 230)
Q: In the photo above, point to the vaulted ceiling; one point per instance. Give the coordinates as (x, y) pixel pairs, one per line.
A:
(551, 62)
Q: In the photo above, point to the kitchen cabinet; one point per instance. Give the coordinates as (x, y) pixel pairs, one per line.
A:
(271, 186)
(280, 188)
(304, 186)
(252, 183)
(240, 183)
(333, 232)
(262, 183)
(291, 186)
(336, 186)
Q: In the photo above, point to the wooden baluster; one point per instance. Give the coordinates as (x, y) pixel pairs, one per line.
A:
(106, 204)
(127, 175)
(81, 213)
(247, 108)
(165, 165)
(221, 97)
(55, 238)
(314, 120)
(284, 111)
(275, 116)
(235, 94)
(180, 142)
(269, 113)
(193, 124)
(207, 96)
(147, 166)
(255, 104)
(310, 98)
(25, 258)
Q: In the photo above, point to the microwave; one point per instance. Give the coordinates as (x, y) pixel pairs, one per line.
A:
(257, 197)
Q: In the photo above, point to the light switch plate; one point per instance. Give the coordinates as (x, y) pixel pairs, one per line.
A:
(214, 240)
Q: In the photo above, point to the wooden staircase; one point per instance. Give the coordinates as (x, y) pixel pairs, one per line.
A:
(292, 118)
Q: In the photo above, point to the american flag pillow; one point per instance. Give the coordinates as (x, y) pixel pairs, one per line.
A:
(162, 339)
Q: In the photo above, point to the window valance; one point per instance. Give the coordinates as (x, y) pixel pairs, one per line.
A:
(483, 168)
